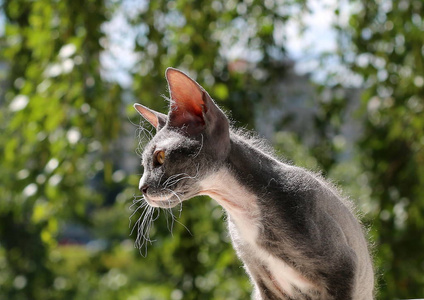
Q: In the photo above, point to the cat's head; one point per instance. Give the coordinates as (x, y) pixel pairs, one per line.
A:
(190, 143)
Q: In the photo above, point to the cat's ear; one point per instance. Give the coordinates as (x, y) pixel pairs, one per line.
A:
(192, 109)
(157, 119)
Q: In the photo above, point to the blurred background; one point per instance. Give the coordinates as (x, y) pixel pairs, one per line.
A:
(335, 86)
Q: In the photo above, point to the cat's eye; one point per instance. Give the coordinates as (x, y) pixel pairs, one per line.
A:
(159, 157)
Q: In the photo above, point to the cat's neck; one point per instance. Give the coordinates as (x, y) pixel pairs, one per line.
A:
(238, 183)
(252, 165)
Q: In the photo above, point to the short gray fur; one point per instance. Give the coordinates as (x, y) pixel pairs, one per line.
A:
(302, 221)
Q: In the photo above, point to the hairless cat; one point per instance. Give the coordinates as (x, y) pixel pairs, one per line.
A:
(297, 237)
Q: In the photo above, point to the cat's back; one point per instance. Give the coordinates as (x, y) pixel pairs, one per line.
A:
(314, 211)
(304, 221)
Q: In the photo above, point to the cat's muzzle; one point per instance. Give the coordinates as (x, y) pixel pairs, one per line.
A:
(162, 200)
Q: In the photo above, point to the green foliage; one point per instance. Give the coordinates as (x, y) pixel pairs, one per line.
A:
(198, 36)
(56, 110)
(63, 137)
(384, 46)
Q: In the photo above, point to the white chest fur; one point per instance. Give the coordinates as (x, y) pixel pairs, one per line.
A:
(241, 205)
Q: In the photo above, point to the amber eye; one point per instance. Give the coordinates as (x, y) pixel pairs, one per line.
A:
(159, 157)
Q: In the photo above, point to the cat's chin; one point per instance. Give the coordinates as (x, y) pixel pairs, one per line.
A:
(163, 202)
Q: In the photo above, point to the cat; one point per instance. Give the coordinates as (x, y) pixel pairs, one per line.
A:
(297, 238)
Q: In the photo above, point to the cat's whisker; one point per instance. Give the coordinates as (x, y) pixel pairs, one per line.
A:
(160, 179)
(174, 179)
(172, 221)
(171, 178)
(166, 210)
(137, 202)
(180, 205)
(146, 132)
(132, 215)
(149, 214)
(167, 220)
(143, 136)
(135, 210)
(143, 224)
(180, 202)
(144, 230)
(165, 183)
(178, 180)
(170, 224)
(143, 214)
(197, 171)
(185, 227)
(180, 210)
(200, 149)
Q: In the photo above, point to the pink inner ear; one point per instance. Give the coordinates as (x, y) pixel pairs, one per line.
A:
(185, 93)
(147, 114)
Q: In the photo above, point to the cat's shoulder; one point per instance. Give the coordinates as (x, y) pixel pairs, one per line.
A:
(300, 174)
(254, 140)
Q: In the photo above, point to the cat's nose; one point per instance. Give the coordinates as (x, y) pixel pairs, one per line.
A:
(144, 188)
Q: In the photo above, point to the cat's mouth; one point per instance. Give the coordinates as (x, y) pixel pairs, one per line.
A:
(163, 200)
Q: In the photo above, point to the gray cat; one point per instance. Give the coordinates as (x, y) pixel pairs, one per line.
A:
(297, 237)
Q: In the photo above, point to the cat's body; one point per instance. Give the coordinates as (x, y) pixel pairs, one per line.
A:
(297, 237)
